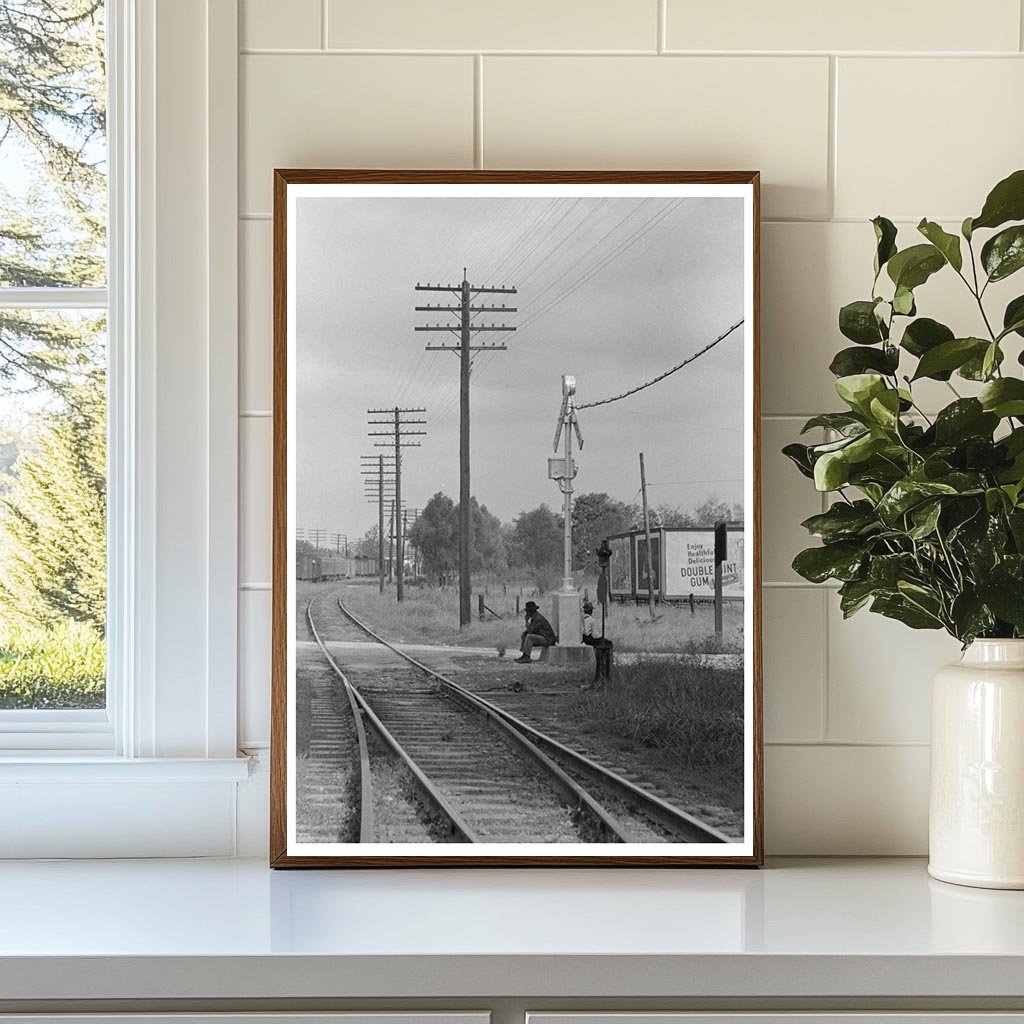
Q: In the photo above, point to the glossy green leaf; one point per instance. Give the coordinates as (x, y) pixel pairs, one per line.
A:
(831, 471)
(924, 519)
(964, 418)
(841, 421)
(858, 389)
(948, 356)
(857, 321)
(904, 495)
(1004, 595)
(1005, 202)
(799, 455)
(841, 561)
(885, 409)
(923, 335)
(900, 608)
(849, 361)
(947, 244)
(971, 616)
(1013, 316)
(885, 238)
(990, 360)
(903, 302)
(911, 267)
(974, 368)
(842, 521)
(1004, 397)
(1003, 254)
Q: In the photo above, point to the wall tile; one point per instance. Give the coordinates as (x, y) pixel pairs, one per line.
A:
(254, 610)
(255, 319)
(681, 112)
(950, 105)
(868, 25)
(794, 663)
(808, 271)
(879, 677)
(272, 24)
(465, 25)
(254, 505)
(357, 111)
(787, 498)
(846, 801)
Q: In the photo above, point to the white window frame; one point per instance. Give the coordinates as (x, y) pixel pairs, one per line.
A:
(71, 729)
(172, 511)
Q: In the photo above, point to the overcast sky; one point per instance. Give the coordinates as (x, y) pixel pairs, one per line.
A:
(613, 291)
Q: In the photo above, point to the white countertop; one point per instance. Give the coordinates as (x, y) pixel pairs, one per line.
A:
(234, 929)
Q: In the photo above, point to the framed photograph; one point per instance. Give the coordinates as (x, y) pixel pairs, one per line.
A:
(516, 545)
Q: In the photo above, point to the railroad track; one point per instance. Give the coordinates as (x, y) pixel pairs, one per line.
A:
(526, 787)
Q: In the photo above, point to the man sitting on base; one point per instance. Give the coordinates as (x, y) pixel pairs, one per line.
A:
(538, 632)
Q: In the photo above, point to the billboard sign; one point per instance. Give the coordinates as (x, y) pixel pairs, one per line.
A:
(620, 568)
(690, 564)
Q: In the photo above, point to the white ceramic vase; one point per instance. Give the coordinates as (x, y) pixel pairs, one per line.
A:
(976, 817)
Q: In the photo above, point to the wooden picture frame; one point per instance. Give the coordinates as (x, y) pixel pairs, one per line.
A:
(292, 186)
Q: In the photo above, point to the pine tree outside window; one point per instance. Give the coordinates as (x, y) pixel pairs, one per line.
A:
(53, 359)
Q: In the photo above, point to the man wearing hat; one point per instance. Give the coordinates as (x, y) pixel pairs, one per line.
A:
(538, 632)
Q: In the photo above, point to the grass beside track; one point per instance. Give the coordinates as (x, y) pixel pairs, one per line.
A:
(690, 712)
(431, 615)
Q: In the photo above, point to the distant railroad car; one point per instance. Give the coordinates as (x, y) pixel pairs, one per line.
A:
(683, 562)
(333, 567)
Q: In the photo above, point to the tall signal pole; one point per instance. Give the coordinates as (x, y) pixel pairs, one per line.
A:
(464, 330)
(399, 430)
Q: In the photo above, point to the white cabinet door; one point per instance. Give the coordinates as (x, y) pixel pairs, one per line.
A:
(784, 1017)
(361, 1017)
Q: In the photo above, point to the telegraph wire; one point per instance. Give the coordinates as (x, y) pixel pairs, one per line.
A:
(668, 373)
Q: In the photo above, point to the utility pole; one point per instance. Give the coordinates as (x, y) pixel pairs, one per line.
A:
(647, 534)
(464, 329)
(399, 429)
(376, 489)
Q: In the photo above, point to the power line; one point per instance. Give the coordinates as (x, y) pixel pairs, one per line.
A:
(668, 373)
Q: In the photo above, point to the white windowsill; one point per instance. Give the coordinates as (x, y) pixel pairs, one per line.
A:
(77, 766)
(199, 931)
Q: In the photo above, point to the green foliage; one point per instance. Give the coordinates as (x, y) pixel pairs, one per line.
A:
(52, 125)
(927, 525)
(595, 516)
(63, 667)
(537, 543)
(53, 521)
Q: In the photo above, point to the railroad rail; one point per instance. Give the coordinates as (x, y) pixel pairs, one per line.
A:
(360, 710)
(680, 825)
(590, 820)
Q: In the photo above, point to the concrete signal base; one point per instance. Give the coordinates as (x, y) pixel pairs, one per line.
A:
(576, 656)
(567, 622)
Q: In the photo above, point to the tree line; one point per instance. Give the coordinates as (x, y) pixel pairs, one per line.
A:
(532, 543)
(52, 365)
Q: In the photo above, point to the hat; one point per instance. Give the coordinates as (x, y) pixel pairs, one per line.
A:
(587, 606)
(530, 606)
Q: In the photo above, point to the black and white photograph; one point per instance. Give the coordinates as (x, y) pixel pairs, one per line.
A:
(516, 562)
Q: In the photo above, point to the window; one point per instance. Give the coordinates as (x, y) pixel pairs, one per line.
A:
(53, 360)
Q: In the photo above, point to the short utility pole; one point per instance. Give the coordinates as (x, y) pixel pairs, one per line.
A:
(398, 429)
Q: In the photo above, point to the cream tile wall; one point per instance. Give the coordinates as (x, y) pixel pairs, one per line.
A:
(906, 109)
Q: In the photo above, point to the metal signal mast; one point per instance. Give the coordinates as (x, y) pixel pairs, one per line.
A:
(398, 430)
(464, 329)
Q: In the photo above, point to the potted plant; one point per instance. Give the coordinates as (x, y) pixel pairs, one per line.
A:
(927, 521)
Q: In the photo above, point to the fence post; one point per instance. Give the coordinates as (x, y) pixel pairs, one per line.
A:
(517, 604)
(480, 600)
